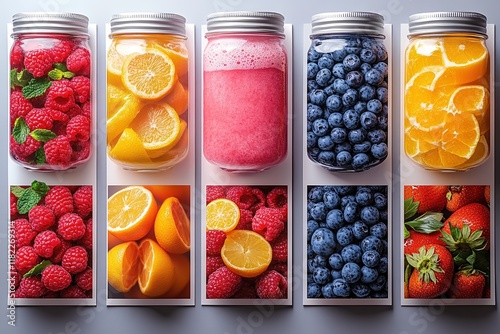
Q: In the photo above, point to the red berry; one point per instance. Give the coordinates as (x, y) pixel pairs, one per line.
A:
(60, 200)
(245, 222)
(78, 128)
(41, 218)
(268, 222)
(75, 260)
(55, 277)
(82, 201)
(260, 199)
(25, 259)
(241, 195)
(73, 291)
(247, 290)
(86, 240)
(60, 96)
(38, 62)
(24, 150)
(13, 206)
(23, 233)
(278, 198)
(58, 151)
(59, 251)
(84, 279)
(81, 88)
(45, 243)
(214, 192)
(74, 111)
(271, 285)
(78, 61)
(59, 116)
(280, 247)
(213, 263)
(71, 227)
(15, 278)
(87, 110)
(81, 150)
(215, 240)
(280, 267)
(223, 283)
(39, 118)
(16, 56)
(31, 287)
(19, 106)
(61, 50)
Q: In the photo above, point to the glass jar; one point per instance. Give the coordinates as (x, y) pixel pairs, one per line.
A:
(446, 91)
(50, 91)
(147, 91)
(245, 110)
(347, 91)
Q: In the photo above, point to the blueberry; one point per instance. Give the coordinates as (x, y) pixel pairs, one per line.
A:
(333, 103)
(378, 284)
(351, 119)
(379, 230)
(371, 243)
(360, 161)
(344, 236)
(312, 226)
(351, 253)
(314, 112)
(344, 190)
(382, 53)
(326, 158)
(379, 200)
(351, 62)
(310, 252)
(365, 67)
(338, 70)
(320, 127)
(367, 92)
(315, 194)
(379, 294)
(342, 147)
(321, 275)
(368, 56)
(364, 196)
(312, 139)
(368, 275)
(383, 94)
(354, 79)
(312, 84)
(336, 262)
(373, 77)
(377, 136)
(312, 54)
(338, 135)
(383, 265)
(310, 278)
(345, 200)
(318, 212)
(351, 212)
(313, 290)
(326, 61)
(370, 258)
(327, 290)
(336, 273)
(379, 151)
(350, 97)
(368, 120)
(374, 106)
(360, 107)
(369, 215)
(313, 153)
(341, 288)
(317, 97)
(351, 272)
(344, 159)
(323, 77)
(382, 68)
(360, 230)
(320, 261)
(339, 55)
(312, 70)
(331, 200)
(326, 143)
(353, 50)
(340, 86)
(335, 219)
(383, 122)
(363, 147)
(309, 126)
(360, 290)
(354, 42)
(323, 242)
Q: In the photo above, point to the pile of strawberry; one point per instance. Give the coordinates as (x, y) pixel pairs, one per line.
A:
(263, 210)
(50, 103)
(447, 241)
(52, 230)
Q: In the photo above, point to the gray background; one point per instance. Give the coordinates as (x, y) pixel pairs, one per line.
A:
(437, 318)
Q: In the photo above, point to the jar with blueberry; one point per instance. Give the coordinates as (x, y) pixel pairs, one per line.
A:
(50, 93)
(347, 91)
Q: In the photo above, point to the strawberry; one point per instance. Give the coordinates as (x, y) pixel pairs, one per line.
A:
(476, 216)
(487, 194)
(459, 196)
(433, 272)
(430, 198)
(467, 284)
(416, 240)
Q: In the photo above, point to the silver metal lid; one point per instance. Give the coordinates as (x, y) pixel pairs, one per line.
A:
(347, 22)
(148, 23)
(52, 23)
(245, 22)
(443, 22)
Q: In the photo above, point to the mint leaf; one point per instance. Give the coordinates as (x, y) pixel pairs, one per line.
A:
(17, 191)
(20, 79)
(40, 157)
(27, 201)
(20, 131)
(37, 270)
(60, 66)
(68, 74)
(410, 208)
(42, 135)
(55, 74)
(40, 187)
(36, 87)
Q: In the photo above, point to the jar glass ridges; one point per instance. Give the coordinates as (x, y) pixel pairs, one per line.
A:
(245, 108)
(347, 91)
(446, 91)
(147, 91)
(50, 91)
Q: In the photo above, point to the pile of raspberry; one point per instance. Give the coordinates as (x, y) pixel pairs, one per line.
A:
(263, 209)
(56, 235)
(61, 109)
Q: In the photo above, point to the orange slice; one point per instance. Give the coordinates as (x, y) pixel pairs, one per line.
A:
(461, 135)
(155, 153)
(178, 53)
(222, 214)
(178, 98)
(480, 154)
(466, 59)
(472, 99)
(157, 270)
(172, 227)
(246, 253)
(122, 107)
(422, 54)
(129, 149)
(123, 266)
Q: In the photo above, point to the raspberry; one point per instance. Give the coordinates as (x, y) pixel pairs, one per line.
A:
(59, 251)
(74, 111)
(60, 200)
(19, 106)
(45, 243)
(260, 199)
(16, 56)
(223, 283)
(41, 218)
(215, 240)
(31, 287)
(13, 206)
(75, 260)
(59, 116)
(23, 233)
(278, 198)
(215, 192)
(78, 128)
(86, 240)
(271, 285)
(24, 150)
(280, 248)
(39, 118)
(241, 195)
(73, 291)
(245, 222)
(38, 62)
(212, 264)
(58, 151)
(25, 259)
(81, 88)
(50, 294)
(82, 201)
(15, 278)
(60, 96)
(61, 50)
(280, 267)
(87, 110)
(268, 222)
(247, 290)
(78, 61)
(84, 279)
(55, 277)
(71, 227)
(81, 150)
(39, 101)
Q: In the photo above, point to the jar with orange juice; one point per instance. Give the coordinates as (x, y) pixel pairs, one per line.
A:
(147, 91)
(447, 91)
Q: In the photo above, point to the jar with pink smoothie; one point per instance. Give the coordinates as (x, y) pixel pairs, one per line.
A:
(245, 108)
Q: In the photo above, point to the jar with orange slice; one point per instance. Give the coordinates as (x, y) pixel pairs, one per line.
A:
(147, 91)
(447, 91)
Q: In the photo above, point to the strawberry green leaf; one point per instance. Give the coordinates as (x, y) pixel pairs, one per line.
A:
(410, 208)
(17, 191)
(406, 232)
(36, 87)
(37, 270)
(20, 131)
(40, 187)
(27, 201)
(42, 135)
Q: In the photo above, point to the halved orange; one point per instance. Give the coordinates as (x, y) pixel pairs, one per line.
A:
(162, 192)
(172, 227)
(222, 214)
(157, 270)
(129, 149)
(182, 275)
(123, 266)
(155, 153)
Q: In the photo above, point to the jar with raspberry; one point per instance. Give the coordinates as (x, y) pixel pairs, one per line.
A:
(50, 91)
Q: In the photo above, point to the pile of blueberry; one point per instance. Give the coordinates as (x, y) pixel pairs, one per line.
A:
(347, 96)
(347, 242)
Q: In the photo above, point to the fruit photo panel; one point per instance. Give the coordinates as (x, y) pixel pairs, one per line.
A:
(246, 248)
(447, 244)
(149, 257)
